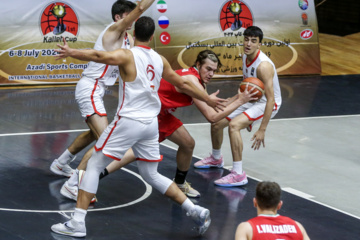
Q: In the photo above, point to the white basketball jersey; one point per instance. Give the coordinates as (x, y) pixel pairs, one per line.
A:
(107, 74)
(139, 99)
(249, 70)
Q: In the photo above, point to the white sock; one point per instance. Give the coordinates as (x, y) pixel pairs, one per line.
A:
(237, 167)
(74, 179)
(65, 157)
(216, 153)
(187, 205)
(79, 215)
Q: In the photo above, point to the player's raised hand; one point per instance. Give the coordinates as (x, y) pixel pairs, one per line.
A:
(215, 102)
(64, 50)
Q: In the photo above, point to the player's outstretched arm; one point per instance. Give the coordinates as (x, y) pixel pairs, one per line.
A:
(238, 100)
(117, 29)
(188, 87)
(265, 73)
(117, 57)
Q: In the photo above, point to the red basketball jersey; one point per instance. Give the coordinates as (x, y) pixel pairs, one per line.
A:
(275, 227)
(170, 98)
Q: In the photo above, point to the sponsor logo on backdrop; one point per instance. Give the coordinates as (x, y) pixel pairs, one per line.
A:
(163, 22)
(57, 20)
(304, 18)
(161, 6)
(165, 38)
(306, 34)
(235, 15)
(303, 4)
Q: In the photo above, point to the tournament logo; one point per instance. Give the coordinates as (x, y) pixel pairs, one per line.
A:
(58, 18)
(235, 14)
(303, 4)
(306, 34)
(165, 38)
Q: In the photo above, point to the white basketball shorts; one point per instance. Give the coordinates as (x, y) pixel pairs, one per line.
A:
(89, 95)
(124, 133)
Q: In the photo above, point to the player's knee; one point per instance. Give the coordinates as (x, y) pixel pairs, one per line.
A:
(219, 126)
(237, 125)
(149, 173)
(188, 143)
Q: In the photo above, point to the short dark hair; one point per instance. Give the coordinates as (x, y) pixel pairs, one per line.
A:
(268, 195)
(144, 28)
(203, 55)
(254, 31)
(122, 6)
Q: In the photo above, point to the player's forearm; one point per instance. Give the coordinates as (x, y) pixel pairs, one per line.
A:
(145, 4)
(217, 116)
(89, 55)
(231, 100)
(190, 89)
(267, 114)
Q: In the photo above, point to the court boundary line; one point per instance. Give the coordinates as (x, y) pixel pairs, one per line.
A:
(147, 193)
(188, 124)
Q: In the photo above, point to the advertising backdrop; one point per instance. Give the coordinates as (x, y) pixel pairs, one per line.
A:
(32, 29)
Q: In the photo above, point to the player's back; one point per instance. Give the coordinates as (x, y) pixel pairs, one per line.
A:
(275, 227)
(139, 99)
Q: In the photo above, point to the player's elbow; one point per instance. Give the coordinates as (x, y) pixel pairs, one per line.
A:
(211, 118)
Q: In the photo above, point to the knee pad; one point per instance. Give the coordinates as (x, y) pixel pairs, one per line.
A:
(95, 165)
(148, 171)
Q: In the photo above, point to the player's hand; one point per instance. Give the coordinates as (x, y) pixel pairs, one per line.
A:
(247, 95)
(218, 104)
(258, 138)
(63, 52)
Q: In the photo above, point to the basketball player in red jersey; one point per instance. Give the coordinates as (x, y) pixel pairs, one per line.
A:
(269, 224)
(172, 128)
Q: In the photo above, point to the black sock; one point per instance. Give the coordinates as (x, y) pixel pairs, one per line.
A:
(104, 173)
(180, 176)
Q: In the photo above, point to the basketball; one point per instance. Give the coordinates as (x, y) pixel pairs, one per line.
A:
(253, 82)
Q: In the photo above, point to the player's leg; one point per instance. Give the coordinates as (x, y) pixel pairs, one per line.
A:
(89, 185)
(237, 176)
(81, 141)
(115, 165)
(215, 159)
(201, 216)
(183, 159)
(238, 123)
(97, 125)
(60, 166)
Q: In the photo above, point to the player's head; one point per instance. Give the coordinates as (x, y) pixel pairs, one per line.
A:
(121, 8)
(268, 196)
(254, 31)
(144, 29)
(207, 62)
(253, 37)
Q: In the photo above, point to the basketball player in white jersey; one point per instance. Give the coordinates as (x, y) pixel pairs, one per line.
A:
(91, 88)
(255, 64)
(135, 124)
